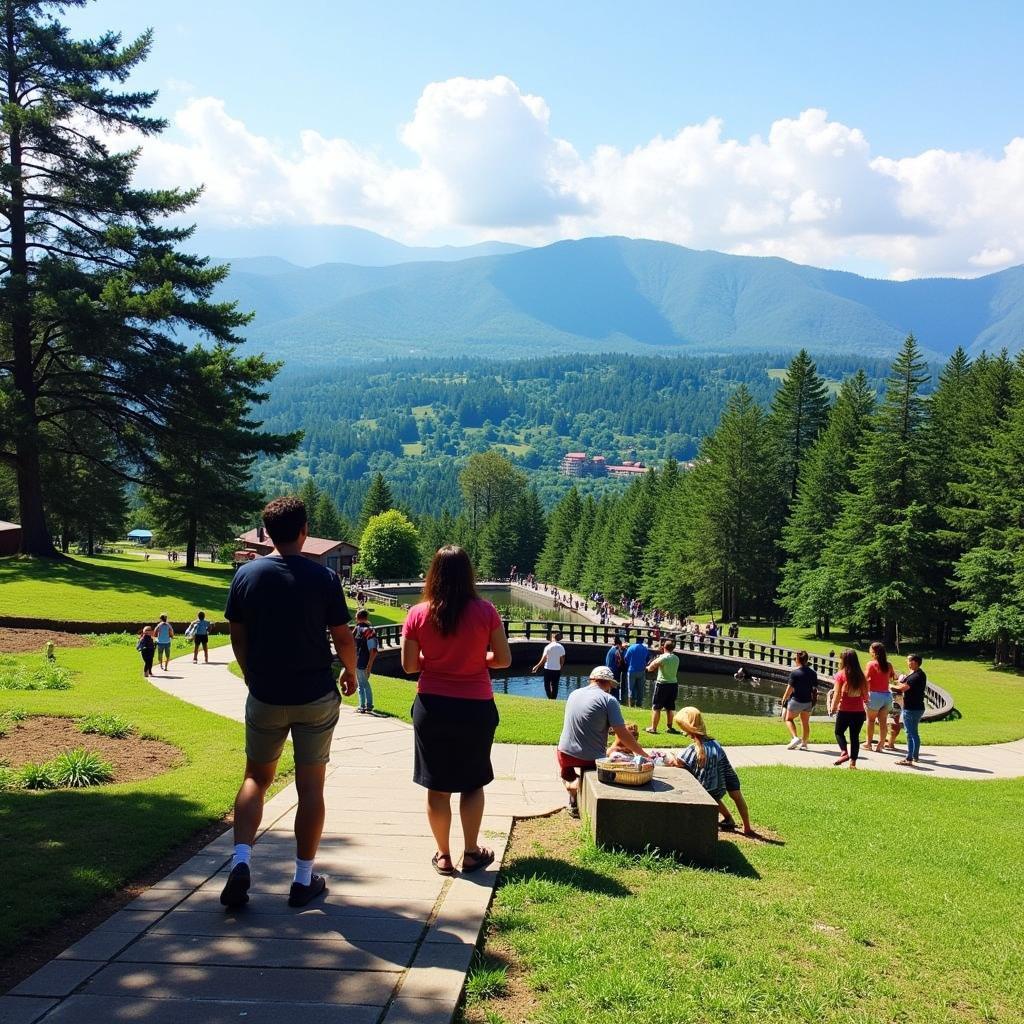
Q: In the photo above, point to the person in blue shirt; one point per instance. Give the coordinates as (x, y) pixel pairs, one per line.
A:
(637, 655)
(615, 661)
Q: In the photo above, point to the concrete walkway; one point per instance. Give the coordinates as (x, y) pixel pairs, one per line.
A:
(390, 943)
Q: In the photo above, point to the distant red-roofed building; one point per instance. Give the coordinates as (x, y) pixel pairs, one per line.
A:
(338, 555)
(628, 469)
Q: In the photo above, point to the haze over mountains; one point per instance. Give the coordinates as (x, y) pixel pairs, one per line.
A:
(611, 294)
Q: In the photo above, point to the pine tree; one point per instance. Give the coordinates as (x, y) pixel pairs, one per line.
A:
(990, 576)
(736, 499)
(561, 525)
(623, 569)
(327, 519)
(597, 545)
(378, 499)
(799, 412)
(571, 572)
(531, 529)
(807, 584)
(881, 546)
(93, 289)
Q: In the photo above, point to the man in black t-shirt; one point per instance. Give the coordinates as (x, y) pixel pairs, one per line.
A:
(281, 609)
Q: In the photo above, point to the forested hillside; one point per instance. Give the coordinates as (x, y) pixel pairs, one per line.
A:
(417, 422)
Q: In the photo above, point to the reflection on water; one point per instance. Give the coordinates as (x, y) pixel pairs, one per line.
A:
(713, 694)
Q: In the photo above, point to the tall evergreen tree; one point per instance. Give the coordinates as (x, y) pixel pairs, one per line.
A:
(799, 413)
(881, 547)
(597, 544)
(93, 287)
(735, 519)
(561, 525)
(624, 565)
(378, 499)
(531, 529)
(571, 573)
(807, 587)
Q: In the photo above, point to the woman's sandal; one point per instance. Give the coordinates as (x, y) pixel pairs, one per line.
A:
(436, 861)
(480, 858)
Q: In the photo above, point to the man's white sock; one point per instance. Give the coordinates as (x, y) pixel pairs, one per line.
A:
(243, 854)
(303, 871)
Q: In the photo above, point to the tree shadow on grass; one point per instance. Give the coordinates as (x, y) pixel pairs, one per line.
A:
(551, 869)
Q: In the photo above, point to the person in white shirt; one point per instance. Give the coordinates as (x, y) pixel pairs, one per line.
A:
(552, 659)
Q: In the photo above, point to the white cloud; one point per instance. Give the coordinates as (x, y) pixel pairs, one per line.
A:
(483, 162)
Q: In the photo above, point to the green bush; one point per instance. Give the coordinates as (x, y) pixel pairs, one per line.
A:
(21, 676)
(76, 769)
(8, 778)
(14, 715)
(110, 725)
(113, 639)
(37, 776)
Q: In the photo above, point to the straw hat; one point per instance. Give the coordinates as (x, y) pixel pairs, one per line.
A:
(692, 721)
(601, 674)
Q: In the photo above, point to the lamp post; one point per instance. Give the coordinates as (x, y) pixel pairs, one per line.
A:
(774, 633)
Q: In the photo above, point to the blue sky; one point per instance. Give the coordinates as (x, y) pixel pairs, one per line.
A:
(909, 77)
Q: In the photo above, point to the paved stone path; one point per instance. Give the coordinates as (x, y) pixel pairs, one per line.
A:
(392, 941)
(390, 944)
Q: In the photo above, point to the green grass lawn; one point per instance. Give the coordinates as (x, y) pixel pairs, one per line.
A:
(111, 588)
(892, 899)
(61, 850)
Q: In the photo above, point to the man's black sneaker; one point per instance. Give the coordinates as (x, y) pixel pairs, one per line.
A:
(574, 810)
(300, 894)
(236, 889)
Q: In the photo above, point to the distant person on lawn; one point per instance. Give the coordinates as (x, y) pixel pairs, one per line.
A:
(552, 659)
(666, 690)
(366, 655)
(591, 712)
(199, 631)
(164, 635)
(636, 657)
(280, 609)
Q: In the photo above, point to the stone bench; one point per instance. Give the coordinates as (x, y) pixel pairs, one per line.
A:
(673, 812)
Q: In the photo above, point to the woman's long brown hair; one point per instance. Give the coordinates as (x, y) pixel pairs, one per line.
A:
(855, 680)
(448, 588)
(878, 650)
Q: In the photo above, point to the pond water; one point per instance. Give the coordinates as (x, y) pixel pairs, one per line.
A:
(713, 694)
(519, 606)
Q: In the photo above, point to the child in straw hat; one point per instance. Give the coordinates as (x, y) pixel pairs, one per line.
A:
(709, 764)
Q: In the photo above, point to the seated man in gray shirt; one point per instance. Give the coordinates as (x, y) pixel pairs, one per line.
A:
(589, 715)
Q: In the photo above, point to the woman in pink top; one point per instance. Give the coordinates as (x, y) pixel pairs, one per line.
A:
(847, 703)
(452, 638)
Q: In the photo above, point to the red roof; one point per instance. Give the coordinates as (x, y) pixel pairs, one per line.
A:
(314, 545)
(575, 455)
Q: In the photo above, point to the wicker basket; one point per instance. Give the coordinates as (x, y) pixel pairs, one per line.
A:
(622, 773)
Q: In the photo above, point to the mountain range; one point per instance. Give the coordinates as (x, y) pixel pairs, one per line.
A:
(308, 245)
(611, 294)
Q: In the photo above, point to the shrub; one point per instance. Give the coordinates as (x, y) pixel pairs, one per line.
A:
(114, 639)
(76, 769)
(20, 676)
(14, 715)
(113, 726)
(8, 778)
(37, 776)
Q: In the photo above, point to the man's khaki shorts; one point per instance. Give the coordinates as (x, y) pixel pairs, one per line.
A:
(311, 725)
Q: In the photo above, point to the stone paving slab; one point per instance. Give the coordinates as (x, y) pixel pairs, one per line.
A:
(255, 924)
(23, 1009)
(85, 1009)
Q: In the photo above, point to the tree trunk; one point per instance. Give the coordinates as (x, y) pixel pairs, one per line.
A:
(190, 547)
(889, 633)
(35, 536)
(90, 541)
(828, 627)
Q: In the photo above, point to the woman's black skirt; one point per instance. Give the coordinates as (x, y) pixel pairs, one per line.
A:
(453, 742)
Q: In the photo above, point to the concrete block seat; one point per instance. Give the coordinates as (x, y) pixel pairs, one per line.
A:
(672, 812)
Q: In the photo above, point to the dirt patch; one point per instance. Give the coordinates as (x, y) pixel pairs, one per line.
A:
(28, 641)
(41, 738)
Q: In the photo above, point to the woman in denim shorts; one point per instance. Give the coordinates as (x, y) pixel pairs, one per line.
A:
(880, 675)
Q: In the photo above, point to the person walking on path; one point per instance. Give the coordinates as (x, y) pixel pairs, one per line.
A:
(798, 701)
(452, 638)
(615, 662)
(366, 655)
(199, 631)
(552, 659)
(880, 675)
(280, 609)
(912, 686)
(164, 635)
(666, 690)
(146, 646)
(636, 657)
(591, 712)
(848, 701)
